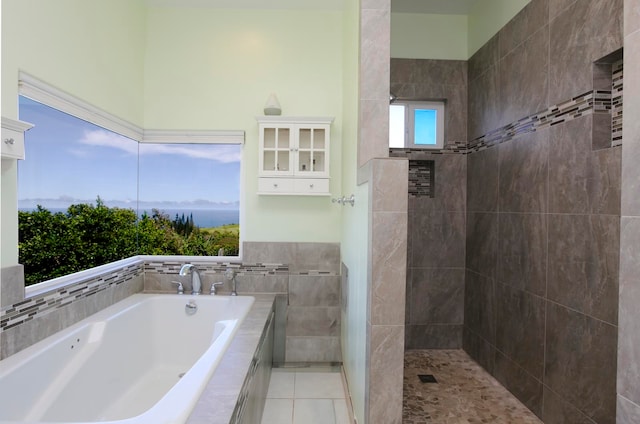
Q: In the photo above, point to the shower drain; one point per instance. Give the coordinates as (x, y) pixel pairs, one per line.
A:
(427, 378)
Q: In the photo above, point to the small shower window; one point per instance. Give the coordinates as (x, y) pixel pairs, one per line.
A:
(416, 124)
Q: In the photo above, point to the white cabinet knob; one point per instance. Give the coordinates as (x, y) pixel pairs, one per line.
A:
(310, 185)
(275, 186)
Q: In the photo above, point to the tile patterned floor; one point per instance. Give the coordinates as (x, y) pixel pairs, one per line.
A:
(464, 393)
(305, 396)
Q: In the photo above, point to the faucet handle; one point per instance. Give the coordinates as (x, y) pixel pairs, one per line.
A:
(180, 286)
(213, 288)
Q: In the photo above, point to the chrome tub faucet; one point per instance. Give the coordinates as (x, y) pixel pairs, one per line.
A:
(196, 281)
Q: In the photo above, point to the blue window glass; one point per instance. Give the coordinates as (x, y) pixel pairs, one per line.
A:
(425, 126)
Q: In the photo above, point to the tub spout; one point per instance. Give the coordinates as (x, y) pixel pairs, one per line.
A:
(196, 282)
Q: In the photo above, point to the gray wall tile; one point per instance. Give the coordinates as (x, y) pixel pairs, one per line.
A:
(479, 306)
(631, 127)
(574, 344)
(313, 349)
(558, 6)
(450, 190)
(528, 21)
(438, 239)
(484, 103)
(482, 181)
(558, 411)
(523, 162)
(426, 79)
(583, 263)
(581, 34)
(520, 329)
(298, 255)
(437, 296)
(313, 321)
(629, 337)
(314, 290)
(433, 336)
(580, 180)
(522, 251)
(524, 77)
(628, 412)
(385, 374)
(12, 290)
(524, 386)
(479, 349)
(486, 57)
(631, 16)
(482, 243)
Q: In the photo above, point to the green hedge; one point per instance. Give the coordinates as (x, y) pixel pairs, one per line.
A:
(56, 244)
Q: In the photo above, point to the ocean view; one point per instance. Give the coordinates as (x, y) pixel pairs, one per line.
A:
(203, 218)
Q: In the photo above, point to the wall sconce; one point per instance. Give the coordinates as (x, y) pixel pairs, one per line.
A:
(272, 107)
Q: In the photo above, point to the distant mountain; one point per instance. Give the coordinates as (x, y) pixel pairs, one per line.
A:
(66, 201)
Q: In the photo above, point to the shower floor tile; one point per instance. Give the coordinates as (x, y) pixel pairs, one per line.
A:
(464, 392)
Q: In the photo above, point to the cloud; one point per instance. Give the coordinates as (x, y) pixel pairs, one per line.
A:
(221, 152)
(102, 138)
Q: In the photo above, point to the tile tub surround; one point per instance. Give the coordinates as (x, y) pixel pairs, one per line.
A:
(305, 274)
(217, 404)
(464, 392)
(31, 320)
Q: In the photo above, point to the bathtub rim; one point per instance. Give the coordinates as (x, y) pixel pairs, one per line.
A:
(250, 330)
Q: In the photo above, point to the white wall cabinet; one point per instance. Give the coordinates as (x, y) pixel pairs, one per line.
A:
(13, 138)
(294, 155)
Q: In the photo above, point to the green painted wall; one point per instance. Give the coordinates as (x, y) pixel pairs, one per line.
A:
(92, 49)
(215, 68)
(165, 68)
(89, 48)
(425, 36)
(487, 18)
(450, 37)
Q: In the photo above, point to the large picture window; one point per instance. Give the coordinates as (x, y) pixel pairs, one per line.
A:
(88, 196)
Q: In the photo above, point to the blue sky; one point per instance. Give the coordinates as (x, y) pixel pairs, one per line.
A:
(67, 158)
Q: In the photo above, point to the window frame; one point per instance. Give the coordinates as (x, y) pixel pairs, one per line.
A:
(410, 106)
(40, 91)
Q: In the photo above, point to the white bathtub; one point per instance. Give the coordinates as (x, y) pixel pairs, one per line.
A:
(142, 360)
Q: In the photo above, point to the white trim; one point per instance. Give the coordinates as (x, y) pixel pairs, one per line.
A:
(410, 106)
(295, 119)
(65, 280)
(40, 91)
(14, 125)
(193, 136)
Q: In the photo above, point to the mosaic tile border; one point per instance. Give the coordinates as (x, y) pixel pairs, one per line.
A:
(38, 306)
(173, 267)
(594, 101)
(616, 103)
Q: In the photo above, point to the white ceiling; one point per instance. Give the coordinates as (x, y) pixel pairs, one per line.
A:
(442, 7)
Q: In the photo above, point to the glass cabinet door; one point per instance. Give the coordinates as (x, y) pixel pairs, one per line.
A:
(311, 158)
(276, 150)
